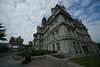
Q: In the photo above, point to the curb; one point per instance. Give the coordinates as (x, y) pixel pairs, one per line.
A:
(57, 61)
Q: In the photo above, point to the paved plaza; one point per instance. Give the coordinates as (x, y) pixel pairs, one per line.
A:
(7, 61)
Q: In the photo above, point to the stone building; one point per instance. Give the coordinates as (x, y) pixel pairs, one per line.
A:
(63, 34)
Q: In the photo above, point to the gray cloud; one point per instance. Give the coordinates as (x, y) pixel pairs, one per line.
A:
(21, 17)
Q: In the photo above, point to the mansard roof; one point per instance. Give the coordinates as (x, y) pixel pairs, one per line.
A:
(56, 11)
(62, 11)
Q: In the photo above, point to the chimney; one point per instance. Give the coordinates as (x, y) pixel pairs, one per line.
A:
(52, 10)
(63, 7)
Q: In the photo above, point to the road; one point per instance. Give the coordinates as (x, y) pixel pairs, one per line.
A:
(7, 61)
(6, 54)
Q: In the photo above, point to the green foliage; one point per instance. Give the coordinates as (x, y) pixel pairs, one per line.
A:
(2, 32)
(89, 61)
(28, 46)
(4, 49)
(36, 52)
(59, 56)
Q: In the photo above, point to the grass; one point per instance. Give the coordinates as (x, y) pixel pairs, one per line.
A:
(88, 61)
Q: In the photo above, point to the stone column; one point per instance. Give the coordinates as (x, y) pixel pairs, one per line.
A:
(66, 30)
(51, 47)
(62, 46)
(75, 34)
(73, 48)
(67, 48)
(51, 38)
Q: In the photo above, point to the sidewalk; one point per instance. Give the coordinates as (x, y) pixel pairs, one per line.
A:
(71, 64)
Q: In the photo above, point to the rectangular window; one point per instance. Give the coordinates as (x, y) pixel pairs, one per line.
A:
(51, 24)
(75, 47)
(53, 35)
(47, 47)
(57, 33)
(69, 31)
(79, 47)
(58, 46)
(53, 47)
(73, 33)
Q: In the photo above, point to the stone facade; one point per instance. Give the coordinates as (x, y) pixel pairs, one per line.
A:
(64, 34)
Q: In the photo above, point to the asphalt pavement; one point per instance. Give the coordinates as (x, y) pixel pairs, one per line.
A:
(8, 61)
(6, 54)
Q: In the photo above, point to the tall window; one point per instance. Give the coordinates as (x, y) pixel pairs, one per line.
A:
(51, 24)
(53, 47)
(57, 33)
(75, 47)
(47, 47)
(69, 31)
(73, 33)
(66, 19)
(53, 35)
(58, 46)
(79, 47)
(47, 39)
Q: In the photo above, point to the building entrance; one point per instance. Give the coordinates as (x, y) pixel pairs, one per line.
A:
(85, 49)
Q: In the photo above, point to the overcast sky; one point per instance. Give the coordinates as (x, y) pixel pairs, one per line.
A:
(21, 17)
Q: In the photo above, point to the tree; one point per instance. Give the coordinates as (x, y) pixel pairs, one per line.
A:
(4, 49)
(2, 32)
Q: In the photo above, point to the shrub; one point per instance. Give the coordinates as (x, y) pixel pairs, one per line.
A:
(59, 56)
(4, 49)
(36, 52)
